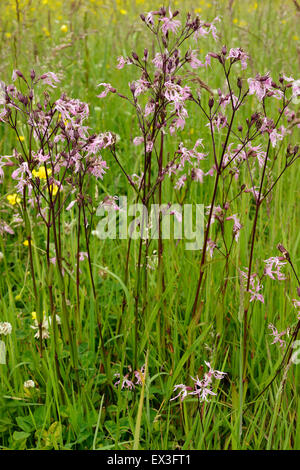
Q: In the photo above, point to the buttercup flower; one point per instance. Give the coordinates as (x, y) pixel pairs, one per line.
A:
(13, 199)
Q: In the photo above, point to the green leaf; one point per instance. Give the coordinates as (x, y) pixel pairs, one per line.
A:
(20, 435)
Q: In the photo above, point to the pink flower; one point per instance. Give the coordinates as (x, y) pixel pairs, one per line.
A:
(217, 213)
(277, 336)
(149, 18)
(197, 174)
(217, 374)
(139, 86)
(169, 24)
(126, 382)
(184, 391)
(262, 85)
(211, 246)
(149, 146)
(236, 226)
(122, 61)
(295, 85)
(69, 207)
(255, 286)
(176, 94)
(256, 152)
(187, 155)
(149, 108)
(140, 375)
(4, 227)
(238, 54)
(194, 62)
(158, 61)
(82, 255)
(50, 79)
(138, 140)
(109, 202)
(275, 135)
(107, 88)
(180, 182)
(271, 263)
(201, 388)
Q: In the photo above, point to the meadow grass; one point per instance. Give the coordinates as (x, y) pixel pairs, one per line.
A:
(85, 410)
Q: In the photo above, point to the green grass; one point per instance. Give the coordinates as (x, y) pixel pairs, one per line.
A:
(173, 342)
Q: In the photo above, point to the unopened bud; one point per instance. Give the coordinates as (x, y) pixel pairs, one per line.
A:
(283, 251)
(211, 102)
(224, 50)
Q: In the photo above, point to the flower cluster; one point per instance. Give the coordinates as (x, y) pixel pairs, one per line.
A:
(5, 328)
(202, 388)
(43, 329)
(273, 268)
(277, 337)
(255, 286)
(127, 382)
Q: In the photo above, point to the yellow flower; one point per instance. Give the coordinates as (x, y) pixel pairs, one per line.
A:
(235, 20)
(123, 12)
(64, 28)
(46, 32)
(18, 297)
(21, 138)
(8, 35)
(296, 38)
(53, 189)
(41, 173)
(13, 199)
(26, 243)
(33, 315)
